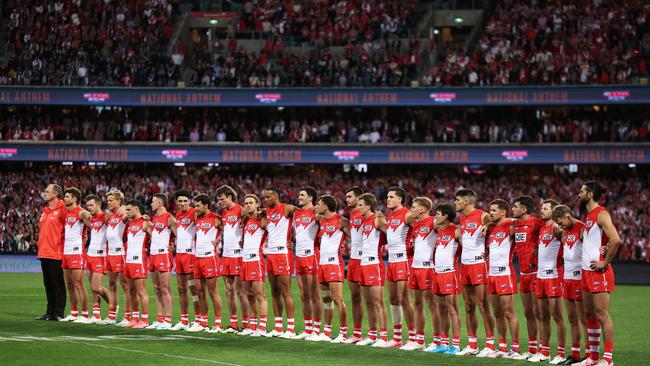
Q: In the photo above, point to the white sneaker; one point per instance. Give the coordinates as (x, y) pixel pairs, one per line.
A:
(180, 326)
(365, 342)
(431, 347)
(497, 354)
(288, 335)
(154, 325)
(123, 323)
(274, 333)
(246, 332)
(230, 330)
(107, 321)
(214, 330)
(94, 320)
(557, 360)
(468, 351)
(412, 346)
(587, 362)
(339, 339)
(196, 327)
(266, 334)
(165, 326)
(512, 355)
(604, 363)
(527, 355)
(380, 344)
(485, 352)
(258, 333)
(81, 320)
(302, 335)
(69, 318)
(314, 337)
(538, 357)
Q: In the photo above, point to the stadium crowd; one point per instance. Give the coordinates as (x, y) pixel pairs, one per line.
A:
(20, 200)
(496, 125)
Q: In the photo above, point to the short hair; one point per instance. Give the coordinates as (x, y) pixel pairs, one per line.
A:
(162, 197)
(181, 193)
(596, 188)
(370, 200)
(447, 210)
(466, 193)
(526, 201)
(57, 190)
(329, 201)
(74, 192)
(356, 190)
(117, 194)
(253, 196)
(400, 192)
(274, 190)
(551, 202)
(203, 198)
(424, 202)
(560, 211)
(501, 204)
(135, 203)
(95, 198)
(311, 192)
(227, 191)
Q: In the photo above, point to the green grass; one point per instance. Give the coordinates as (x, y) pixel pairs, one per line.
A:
(22, 298)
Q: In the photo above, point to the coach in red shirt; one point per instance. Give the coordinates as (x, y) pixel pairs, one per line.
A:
(50, 251)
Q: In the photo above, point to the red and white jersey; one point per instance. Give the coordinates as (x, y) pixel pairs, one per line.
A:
(372, 239)
(446, 250)
(331, 240)
(278, 227)
(185, 231)
(232, 231)
(593, 238)
(97, 245)
(526, 240)
(75, 233)
(424, 241)
(356, 234)
(161, 234)
(501, 249)
(549, 253)
(572, 246)
(397, 232)
(306, 229)
(254, 237)
(136, 239)
(207, 232)
(115, 234)
(472, 240)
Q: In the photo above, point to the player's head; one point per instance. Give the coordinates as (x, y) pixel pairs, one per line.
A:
(547, 209)
(421, 206)
(464, 198)
(53, 191)
(114, 199)
(133, 209)
(159, 201)
(306, 196)
(591, 192)
(251, 203)
(226, 196)
(271, 197)
(202, 204)
(182, 200)
(445, 213)
(498, 210)
(396, 196)
(352, 196)
(366, 203)
(563, 216)
(72, 196)
(93, 204)
(326, 204)
(524, 205)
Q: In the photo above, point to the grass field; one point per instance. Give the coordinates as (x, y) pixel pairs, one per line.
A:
(24, 341)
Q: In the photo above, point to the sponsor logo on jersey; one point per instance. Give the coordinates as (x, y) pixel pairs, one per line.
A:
(471, 225)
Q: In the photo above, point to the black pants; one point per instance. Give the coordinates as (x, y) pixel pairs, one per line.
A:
(54, 286)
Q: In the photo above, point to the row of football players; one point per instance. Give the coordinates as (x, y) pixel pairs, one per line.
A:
(559, 257)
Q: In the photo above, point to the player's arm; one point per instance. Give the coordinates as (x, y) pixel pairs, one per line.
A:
(289, 210)
(85, 217)
(344, 224)
(380, 221)
(147, 226)
(487, 224)
(410, 219)
(172, 224)
(605, 221)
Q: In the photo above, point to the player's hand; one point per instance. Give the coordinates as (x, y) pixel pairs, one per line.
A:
(484, 230)
(146, 217)
(121, 211)
(380, 215)
(241, 244)
(603, 250)
(597, 265)
(485, 256)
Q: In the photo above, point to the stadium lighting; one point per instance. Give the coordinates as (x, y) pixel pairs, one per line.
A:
(179, 164)
(213, 21)
(66, 163)
(436, 31)
(631, 166)
(458, 20)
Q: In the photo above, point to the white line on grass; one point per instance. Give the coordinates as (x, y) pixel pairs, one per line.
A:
(144, 352)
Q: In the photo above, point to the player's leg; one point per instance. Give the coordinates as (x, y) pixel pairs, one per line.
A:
(155, 280)
(593, 325)
(328, 315)
(576, 325)
(396, 311)
(336, 289)
(276, 293)
(314, 290)
(135, 303)
(181, 287)
(212, 285)
(407, 308)
(556, 313)
(166, 296)
(113, 297)
(231, 299)
(507, 305)
(243, 301)
(124, 283)
(530, 313)
(72, 295)
(82, 294)
(247, 288)
(376, 294)
(442, 313)
(545, 328)
(471, 321)
(481, 299)
(500, 319)
(284, 285)
(601, 306)
(98, 291)
(451, 305)
(372, 316)
(420, 316)
(357, 310)
(261, 304)
(306, 303)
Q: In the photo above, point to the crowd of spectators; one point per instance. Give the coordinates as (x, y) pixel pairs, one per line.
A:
(89, 43)
(557, 42)
(394, 125)
(627, 199)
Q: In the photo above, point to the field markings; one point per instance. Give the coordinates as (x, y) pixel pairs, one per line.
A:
(133, 350)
